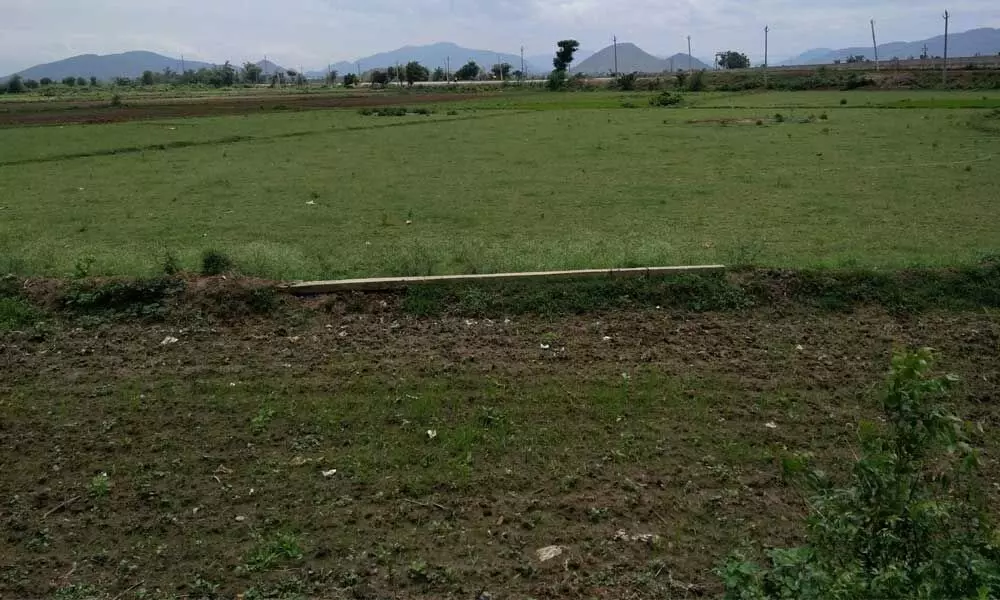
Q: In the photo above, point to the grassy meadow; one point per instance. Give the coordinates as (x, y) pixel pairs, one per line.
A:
(513, 182)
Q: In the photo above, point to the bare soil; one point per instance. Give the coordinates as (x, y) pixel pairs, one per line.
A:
(461, 447)
(65, 112)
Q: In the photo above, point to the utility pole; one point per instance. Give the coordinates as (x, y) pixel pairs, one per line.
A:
(689, 54)
(522, 63)
(767, 29)
(183, 65)
(944, 66)
(875, 45)
(447, 72)
(616, 55)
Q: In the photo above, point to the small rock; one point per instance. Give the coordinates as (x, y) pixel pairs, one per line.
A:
(544, 346)
(799, 348)
(432, 433)
(329, 473)
(240, 518)
(607, 338)
(169, 340)
(548, 552)
(771, 425)
(311, 203)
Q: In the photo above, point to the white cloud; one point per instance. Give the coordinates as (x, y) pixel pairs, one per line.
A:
(311, 33)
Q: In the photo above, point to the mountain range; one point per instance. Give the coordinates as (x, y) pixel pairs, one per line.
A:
(633, 59)
(984, 41)
(433, 56)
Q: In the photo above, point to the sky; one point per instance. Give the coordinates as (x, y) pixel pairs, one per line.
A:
(313, 33)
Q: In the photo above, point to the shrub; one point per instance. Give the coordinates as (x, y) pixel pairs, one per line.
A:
(779, 118)
(116, 101)
(625, 82)
(697, 82)
(214, 263)
(665, 99)
(908, 523)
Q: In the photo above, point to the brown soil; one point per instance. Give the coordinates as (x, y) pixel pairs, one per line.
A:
(64, 112)
(201, 476)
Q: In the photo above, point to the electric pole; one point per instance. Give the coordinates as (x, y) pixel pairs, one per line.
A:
(875, 45)
(689, 54)
(523, 74)
(616, 55)
(944, 66)
(447, 72)
(767, 30)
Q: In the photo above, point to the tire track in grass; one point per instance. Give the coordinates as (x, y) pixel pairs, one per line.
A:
(235, 139)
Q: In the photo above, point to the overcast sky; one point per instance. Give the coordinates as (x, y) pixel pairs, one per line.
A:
(312, 33)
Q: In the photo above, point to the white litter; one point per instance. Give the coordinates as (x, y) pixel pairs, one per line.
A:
(549, 552)
(607, 338)
(169, 340)
(311, 203)
(329, 473)
(240, 519)
(432, 433)
(771, 425)
(544, 346)
(799, 348)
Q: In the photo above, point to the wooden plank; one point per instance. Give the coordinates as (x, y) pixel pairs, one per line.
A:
(397, 283)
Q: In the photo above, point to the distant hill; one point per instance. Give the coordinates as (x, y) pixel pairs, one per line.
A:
(985, 41)
(631, 58)
(269, 68)
(432, 57)
(129, 64)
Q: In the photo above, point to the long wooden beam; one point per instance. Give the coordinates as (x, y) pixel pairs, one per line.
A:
(396, 283)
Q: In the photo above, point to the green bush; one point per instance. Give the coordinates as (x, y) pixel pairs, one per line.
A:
(665, 99)
(214, 263)
(696, 83)
(909, 522)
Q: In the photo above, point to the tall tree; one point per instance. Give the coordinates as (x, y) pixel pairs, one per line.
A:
(561, 63)
(80, 81)
(501, 71)
(252, 72)
(415, 72)
(468, 72)
(731, 59)
(15, 85)
(350, 80)
(438, 75)
(331, 77)
(69, 81)
(380, 77)
(148, 78)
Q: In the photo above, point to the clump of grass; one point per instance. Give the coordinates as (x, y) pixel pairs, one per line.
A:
(823, 116)
(214, 263)
(16, 313)
(117, 101)
(281, 549)
(779, 118)
(171, 264)
(843, 101)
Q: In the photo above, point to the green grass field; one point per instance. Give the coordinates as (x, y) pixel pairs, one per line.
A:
(505, 185)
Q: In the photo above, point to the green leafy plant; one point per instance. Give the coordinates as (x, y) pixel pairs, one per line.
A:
(262, 419)
(908, 523)
(100, 486)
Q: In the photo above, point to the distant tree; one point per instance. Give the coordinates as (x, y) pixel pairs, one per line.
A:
(395, 74)
(519, 75)
(69, 81)
(15, 85)
(45, 81)
(438, 75)
(501, 71)
(227, 75)
(415, 72)
(350, 80)
(148, 78)
(380, 77)
(561, 63)
(31, 84)
(855, 58)
(81, 82)
(292, 73)
(731, 59)
(94, 82)
(122, 81)
(252, 72)
(331, 77)
(468, 72)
